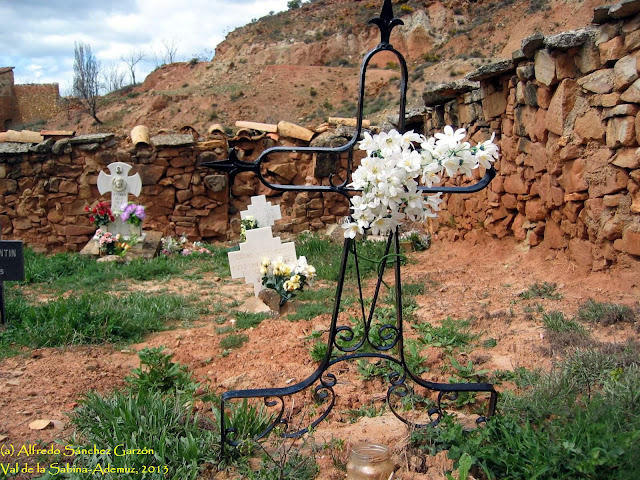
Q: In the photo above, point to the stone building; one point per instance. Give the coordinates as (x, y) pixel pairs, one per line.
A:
(29, 103)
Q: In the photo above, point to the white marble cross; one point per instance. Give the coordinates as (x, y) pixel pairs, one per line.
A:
(260, 243)
(119, 184)
(262, 211)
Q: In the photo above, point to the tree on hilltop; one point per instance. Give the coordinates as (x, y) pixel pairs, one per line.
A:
(86, 78)
(132, 58)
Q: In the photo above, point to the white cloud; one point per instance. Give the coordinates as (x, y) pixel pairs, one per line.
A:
(46, 40)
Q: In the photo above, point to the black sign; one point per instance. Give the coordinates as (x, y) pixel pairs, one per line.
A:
(11, 261)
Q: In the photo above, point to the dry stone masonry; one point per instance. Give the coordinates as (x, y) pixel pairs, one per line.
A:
(567, 108)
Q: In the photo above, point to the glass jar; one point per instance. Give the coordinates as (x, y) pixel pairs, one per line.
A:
(370, 461)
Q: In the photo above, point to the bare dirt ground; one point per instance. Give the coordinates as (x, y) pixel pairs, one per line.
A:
(481, 281)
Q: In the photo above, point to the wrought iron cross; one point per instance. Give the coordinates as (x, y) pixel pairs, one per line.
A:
(347, 342)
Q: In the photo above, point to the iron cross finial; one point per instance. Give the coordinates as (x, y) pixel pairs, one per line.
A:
(386, 21)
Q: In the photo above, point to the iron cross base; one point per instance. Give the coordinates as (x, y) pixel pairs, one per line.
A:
(346, 342)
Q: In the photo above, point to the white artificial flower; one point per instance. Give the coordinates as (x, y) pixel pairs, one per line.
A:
(351, 229)
(380, 226)
(450, 138)
(368, 143)
(487, 152)
(467, 162)
(387, 176)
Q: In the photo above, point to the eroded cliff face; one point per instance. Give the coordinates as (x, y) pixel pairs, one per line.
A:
(331, 32)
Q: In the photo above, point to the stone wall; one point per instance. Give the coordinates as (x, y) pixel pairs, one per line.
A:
(7, 100)
(44, 188)
(23, 104)
(35, 102)
(566, 112)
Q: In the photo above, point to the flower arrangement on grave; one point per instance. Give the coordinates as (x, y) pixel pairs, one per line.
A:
(100, 215)
(182, 246)
(110, 244)
(286, 280)
(419, 241)
(133, 214)
(388, 176)
(247, 223)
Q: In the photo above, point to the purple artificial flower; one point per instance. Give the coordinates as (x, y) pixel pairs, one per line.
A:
(140, 212)
(133, 213)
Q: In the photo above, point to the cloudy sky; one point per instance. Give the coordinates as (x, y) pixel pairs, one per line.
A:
(38, 36)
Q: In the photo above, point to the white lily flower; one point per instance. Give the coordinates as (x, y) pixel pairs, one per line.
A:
(450, 138)
(351, 230)
(387, 176)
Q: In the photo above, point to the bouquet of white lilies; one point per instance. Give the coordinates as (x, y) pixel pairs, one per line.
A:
(388, 176)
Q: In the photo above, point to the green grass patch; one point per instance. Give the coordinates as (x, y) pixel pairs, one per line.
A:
(582, 420)
(368, 411)
(316, 294)
(452, 334)
(555, 321)
(326, 256)
(72, 271)
(318, 351)
(90, 318)
(245, 320)
(542, 290)
(308, 311)
(153, 414)
(605, 313)
(235, 340)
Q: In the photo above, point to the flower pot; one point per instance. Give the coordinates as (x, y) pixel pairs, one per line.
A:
(406, 245)
(135, 230)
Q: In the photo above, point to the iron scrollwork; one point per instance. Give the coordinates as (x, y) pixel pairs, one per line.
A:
(340, 345)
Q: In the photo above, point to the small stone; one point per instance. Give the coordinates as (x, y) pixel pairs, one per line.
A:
(632, 94)
(612, 50)
(600, 81)
(600, 14)
(632, 41)
(629, 243)
(545, 67)
(621, 110)
(620, 131)
(216, 183)
(40, 424)
(569, 39)
(532, 43)
(270, 298)
(440, 94)
(11, 148)
(624, 72)
(111, 258)
(526, 72)
(172, 140)
(561, 105)
(491, 70)
(91, 138)
(627, 158)
(588, 58)
(623, 9)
